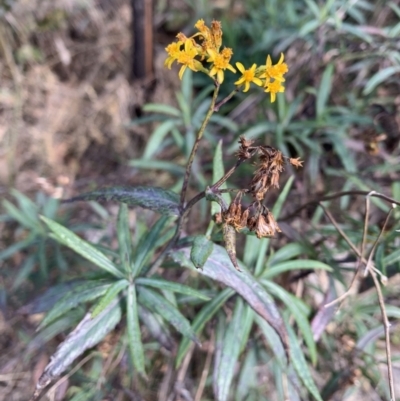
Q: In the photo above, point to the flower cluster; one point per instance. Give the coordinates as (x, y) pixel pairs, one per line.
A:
(202, 52)
(257, 217)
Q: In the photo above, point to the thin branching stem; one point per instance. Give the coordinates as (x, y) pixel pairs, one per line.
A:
(386, 323)
(196, 145)
(371, 269)
(339, 195)
(226, 99)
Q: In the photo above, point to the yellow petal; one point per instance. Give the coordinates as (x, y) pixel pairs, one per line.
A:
(240, 67)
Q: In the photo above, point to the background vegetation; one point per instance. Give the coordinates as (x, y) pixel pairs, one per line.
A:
(71, 121)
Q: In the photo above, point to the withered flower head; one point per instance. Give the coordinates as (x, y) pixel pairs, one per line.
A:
(296, 162)
(263, 223)
(246, 151)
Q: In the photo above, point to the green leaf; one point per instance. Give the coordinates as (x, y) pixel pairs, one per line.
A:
(304, 264)
(134, 336)
(109, 296)
(83, 248)
(230, 354)
(248, 375)
(124, 238)
(202, 317)
(170, 286)
(324, 90)
(201, 250)
(88, 333)
(300, 364)
(147, 245)
(80, 294)
(300, 314)
(156, 199)
(167, 311)
(24, 270)
(23, 219)
(380, 77)
(14, 248)
(154, 144)
(286, 252)
(219, 268)
(161, 108)
(219, 172)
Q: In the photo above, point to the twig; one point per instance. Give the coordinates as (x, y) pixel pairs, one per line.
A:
(339, 195)
(386, 323)
(225, 100)
(206, 369)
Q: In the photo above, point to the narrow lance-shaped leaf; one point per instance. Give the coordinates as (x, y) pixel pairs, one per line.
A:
(170, 286)
(166, 310)
(135, 344)
(203, 316)
(300, 365)
(88, 333)
(147, 245)
(230, 353)
(71, 300)
(109, 296)
(218, 173)
(124, 237)
(219, 268)
(156, 199)
(81, 247)
(201, 250)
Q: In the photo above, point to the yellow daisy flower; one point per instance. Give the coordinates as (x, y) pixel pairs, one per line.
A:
(220, 63)
(173, 50)
(247, 77)
(275, 71)
(274, 88)
(186, 57)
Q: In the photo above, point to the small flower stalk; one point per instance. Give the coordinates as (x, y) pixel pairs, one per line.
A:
(203, 52)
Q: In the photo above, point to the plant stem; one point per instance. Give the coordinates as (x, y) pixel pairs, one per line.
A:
(225, 100)
(196, 145)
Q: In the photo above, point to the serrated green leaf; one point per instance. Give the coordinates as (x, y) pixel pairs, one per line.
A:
(134, 336)
(147, 245)
(111, 293)
(83, 248)
(170, 286)
(124, 238)
(304, 264)
(88, 333)
(300, 364)
(167, 311)
(72, 299)
(202, 317)
(201, 249)
(156, 199)
(230, 353)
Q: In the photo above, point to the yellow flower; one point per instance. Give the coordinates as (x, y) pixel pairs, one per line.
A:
(173, 50)
(275, 71)
(186, 57)
(274, 88)
(220, 63)
(247, 77)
